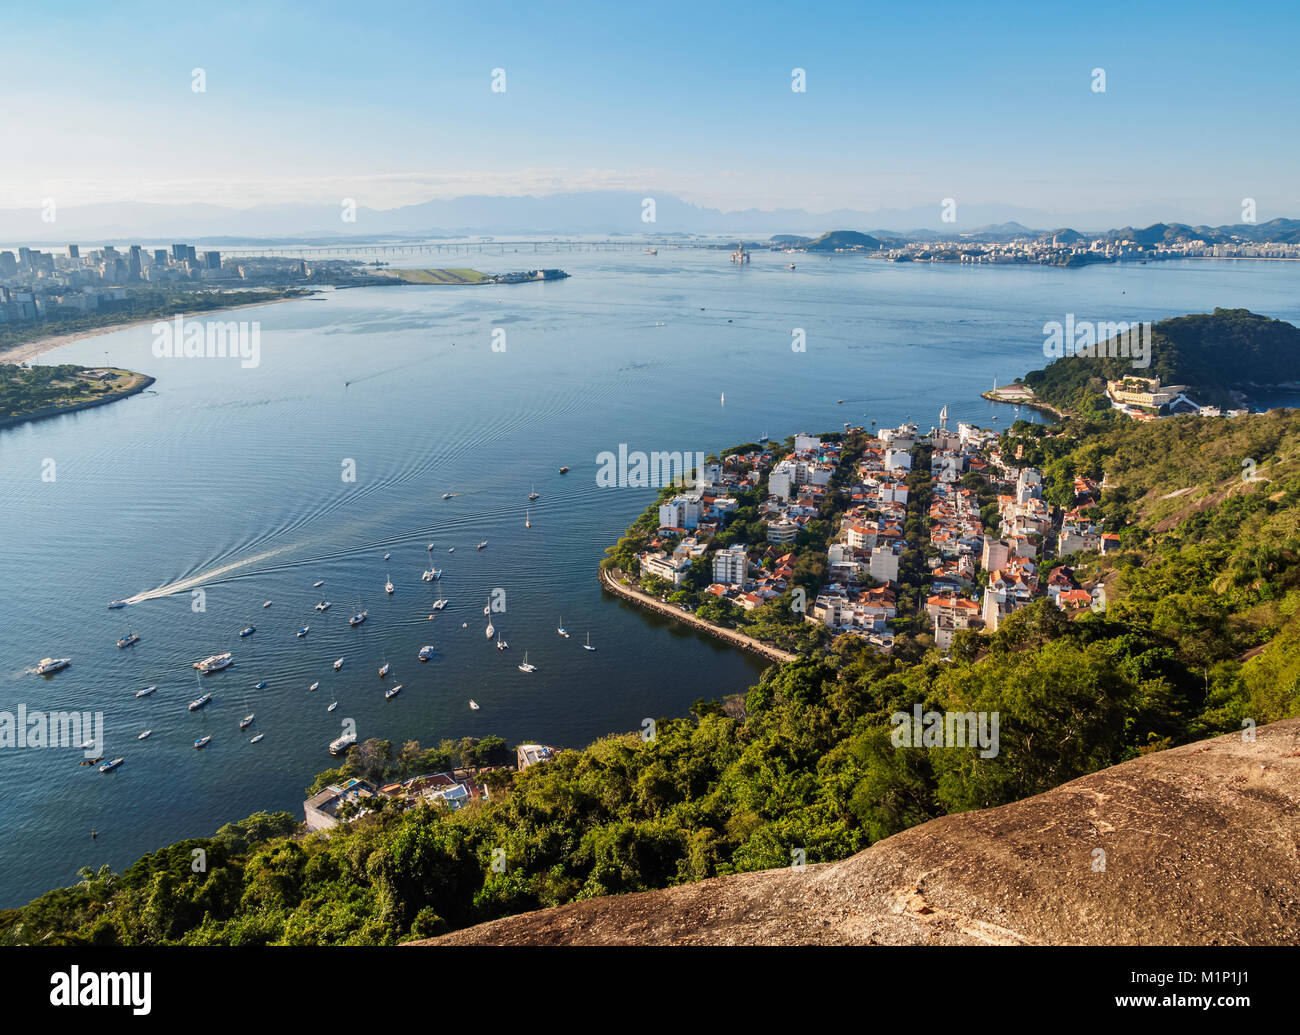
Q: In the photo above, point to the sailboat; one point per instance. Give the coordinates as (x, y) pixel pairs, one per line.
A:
(128, 640)
(383, 669)
(388, 586)
(332, 706)
(393, 692)
(528, 520)
(246, 721)
(473, 704)
(587, 645)
(338, 664)
(561, 629)
(304, 630)
(533, 494)
(314, 685)
(524, 666)
(489, 632)
(501, 644)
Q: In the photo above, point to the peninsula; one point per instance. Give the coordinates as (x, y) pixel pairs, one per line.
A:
(34, 393)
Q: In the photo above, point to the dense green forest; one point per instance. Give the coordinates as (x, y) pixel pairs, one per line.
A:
(1216, 354)
(1202, 632)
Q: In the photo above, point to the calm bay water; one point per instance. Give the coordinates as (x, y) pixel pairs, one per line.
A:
(228, 480)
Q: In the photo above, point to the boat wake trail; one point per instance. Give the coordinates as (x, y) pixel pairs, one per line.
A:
(205, 578)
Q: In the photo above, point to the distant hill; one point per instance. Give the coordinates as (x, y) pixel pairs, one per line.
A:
(1216, 354)
(797, 240)
(836, 240)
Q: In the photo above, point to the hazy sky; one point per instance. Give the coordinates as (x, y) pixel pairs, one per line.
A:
(906, 103)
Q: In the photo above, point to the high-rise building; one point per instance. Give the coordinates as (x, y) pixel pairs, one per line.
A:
(8, 265)
(133, 263)
(179, 252)
(212, 260)
(74, 252)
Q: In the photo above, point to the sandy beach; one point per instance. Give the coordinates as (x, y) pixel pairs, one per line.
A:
(30, 350)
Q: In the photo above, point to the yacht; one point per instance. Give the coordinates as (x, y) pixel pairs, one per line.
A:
(318, 584)
(383, 669)
(257, 738)
(146, 691)
(324, 606)
(247, 630)
(393, 692)
(144, 735)
(524, 666)
(332, 706)
(202, 742)
(113, 605)
(128, 640)
(246, 721)
(303, 631)
(358, 618)
(388, 586)
(314, 687)
(48, 666)
(426, 653)
(108, 767)
(338, 664)
(587, 645)
(473, 704)
(261, 685)
(337, 747)
(534, 494)
(215, 663)
(195, 705)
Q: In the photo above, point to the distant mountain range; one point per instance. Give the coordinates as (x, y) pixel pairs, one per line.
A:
(604, 213)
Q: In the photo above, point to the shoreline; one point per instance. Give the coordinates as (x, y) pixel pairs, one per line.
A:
(58, 411)
(30, 350)
(736, 639)
(1021, 395)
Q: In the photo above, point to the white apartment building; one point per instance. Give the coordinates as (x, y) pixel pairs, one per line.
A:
(731, 566)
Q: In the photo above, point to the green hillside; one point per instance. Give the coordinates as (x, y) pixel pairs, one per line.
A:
(1201, 633)
(836, 240)
(1217, 354)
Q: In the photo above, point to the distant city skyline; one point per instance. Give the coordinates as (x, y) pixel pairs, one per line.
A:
(308, 104)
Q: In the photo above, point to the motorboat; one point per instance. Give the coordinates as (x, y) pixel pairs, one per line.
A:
(257, 738)
(332, 706)
(314, 687)
(449, 495)
(146, 691)
(200, 702)
(48, 666)
(337, 747)
(338, 664)
(266, 603)
(427, 653)
(383, 669)
(564, 470)
(260, 686)
(108, 767)
(386, 556)
(128, 640)
(202, 742)
(144, 735)
(318, 584)
(247, 630)
(481, 545)
(246, 721)
(113, 605)
(473, 704)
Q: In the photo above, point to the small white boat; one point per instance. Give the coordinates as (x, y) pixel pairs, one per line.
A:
(324, 605)
(501, 644)
(202, 742)
(257, 738)
(430, 547)
(561, 630)
(449, 495)
(426, 653)
(48, 666)
(385, 556)
(451, 549)
(317, 585)
(524, 666)
(473, 704)
(144, 735)
(383, 669)
(314, 687)
(266, 603)
(303, 631)
(533, 494)
(108, 767)
(128, 640)
(358, 618)
(393, 692)
(246, 721)
(481, 545)
(332, 706)
(215, 663)
(146, 691)
(388, 586)
(338, 664)
(587, 645)
(440, 603)
(487, 609)
(489, 632)
(528, 521)
(339, 746)
(113, 605)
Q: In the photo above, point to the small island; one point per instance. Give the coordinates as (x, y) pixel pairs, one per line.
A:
(461, 277)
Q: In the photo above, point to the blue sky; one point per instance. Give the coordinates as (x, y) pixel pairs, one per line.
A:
(905, 104)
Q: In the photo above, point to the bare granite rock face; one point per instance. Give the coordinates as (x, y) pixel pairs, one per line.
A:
(1201, 843)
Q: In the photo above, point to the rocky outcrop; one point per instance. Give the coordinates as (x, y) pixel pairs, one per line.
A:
(1201, 846)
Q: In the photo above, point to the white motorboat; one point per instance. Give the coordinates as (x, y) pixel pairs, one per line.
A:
(338, 664)
(314, 687)
(146, 691)
(337, 747)
(215, 663)
(48, 666)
